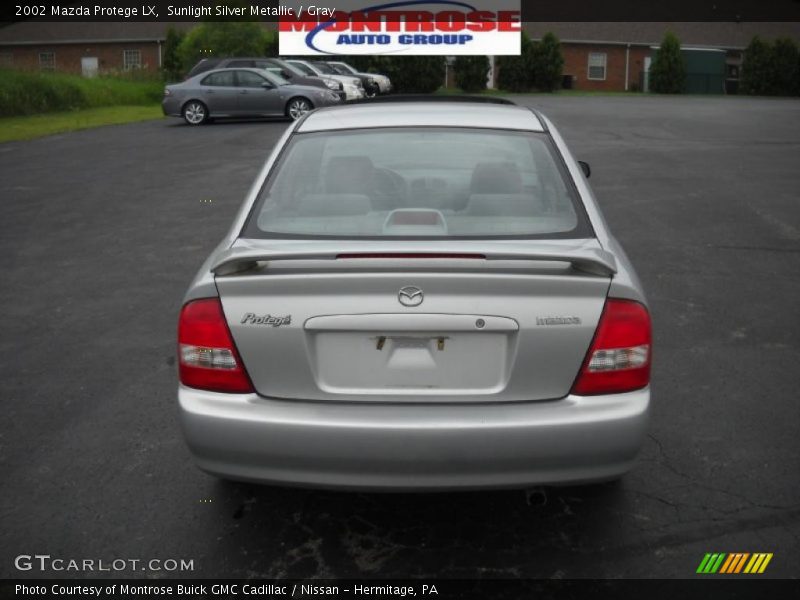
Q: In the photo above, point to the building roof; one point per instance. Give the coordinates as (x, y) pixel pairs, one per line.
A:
(46, 32)
(726, 35)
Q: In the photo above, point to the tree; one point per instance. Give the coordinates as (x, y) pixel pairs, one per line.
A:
(515, 73)
(668, 71)
(547, 63)
(223, 39)
(785, 68)
(171, 65)
(471, 72)
(414, 74)
(756, 68)
(270, 44)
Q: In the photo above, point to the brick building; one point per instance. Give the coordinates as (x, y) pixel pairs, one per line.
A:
(87, 48)
(615, 56)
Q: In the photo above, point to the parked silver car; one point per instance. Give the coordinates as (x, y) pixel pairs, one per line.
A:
(417, 296)
(383, 83)
(353, 88)
(242, 93)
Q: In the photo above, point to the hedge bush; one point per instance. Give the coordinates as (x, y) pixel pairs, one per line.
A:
(515, 73)
(27, 93)
(172, 65)
(668, 71)
(756, 68)
(539, 66)
(785, 68)
(471, 72)
(771, 69)
(547, 63)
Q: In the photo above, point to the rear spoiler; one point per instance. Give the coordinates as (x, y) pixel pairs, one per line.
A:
(590, 260)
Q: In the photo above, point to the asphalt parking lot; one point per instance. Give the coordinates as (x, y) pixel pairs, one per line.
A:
(103, 230)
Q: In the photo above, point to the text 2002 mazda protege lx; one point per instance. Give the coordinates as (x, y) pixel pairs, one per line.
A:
(417, 296)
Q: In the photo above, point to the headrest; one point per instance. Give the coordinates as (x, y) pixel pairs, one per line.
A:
(349, 174)
(496, 178)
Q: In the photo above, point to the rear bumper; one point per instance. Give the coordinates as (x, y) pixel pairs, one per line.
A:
(171, 107)
(414, 447)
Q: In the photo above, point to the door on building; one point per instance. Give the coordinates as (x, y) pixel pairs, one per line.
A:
(89, 66)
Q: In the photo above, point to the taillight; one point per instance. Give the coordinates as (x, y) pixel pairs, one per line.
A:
(207, 356)
(619, 358)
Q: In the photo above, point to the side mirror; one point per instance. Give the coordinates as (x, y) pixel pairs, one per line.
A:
(267, 85)
(286, 74)
(587, 170)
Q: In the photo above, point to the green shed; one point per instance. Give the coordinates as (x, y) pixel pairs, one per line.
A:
(705, 69)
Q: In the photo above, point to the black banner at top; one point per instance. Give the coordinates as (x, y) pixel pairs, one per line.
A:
(273, 10)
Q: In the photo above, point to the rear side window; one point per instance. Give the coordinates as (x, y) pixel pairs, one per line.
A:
(346, 69)
(418, 183)
(223, 78)
(249, 79)
(303, 68)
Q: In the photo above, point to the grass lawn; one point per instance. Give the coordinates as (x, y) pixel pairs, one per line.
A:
(34, 126)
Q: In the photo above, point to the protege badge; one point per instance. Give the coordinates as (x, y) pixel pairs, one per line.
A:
(558, 320)
(253, 319)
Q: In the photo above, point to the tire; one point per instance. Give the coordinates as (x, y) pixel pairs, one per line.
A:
(371, 92)
(297, 107)
(195, 112)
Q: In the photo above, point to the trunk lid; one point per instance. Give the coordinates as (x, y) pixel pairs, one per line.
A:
(413, 321)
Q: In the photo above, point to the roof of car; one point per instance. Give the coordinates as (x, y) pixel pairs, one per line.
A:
(422, 114)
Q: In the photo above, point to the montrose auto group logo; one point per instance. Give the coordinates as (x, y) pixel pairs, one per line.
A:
(409, 27)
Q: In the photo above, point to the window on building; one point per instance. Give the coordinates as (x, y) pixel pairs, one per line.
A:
(6, 59)
(47, 61)
(597, 66)
(132, 59)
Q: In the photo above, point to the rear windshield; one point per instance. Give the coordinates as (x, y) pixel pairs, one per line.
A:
(418, 183)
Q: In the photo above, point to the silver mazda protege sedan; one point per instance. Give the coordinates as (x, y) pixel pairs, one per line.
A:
(417, 296)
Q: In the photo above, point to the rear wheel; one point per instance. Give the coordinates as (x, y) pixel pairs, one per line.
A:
(195, 112)
(297, 107)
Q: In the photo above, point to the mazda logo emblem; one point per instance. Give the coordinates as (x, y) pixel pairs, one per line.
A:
(410, 296)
